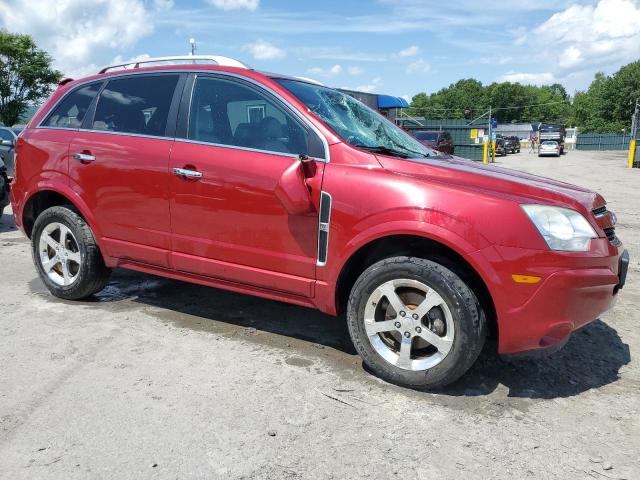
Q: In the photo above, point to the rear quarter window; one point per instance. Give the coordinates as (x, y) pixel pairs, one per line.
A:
(70, 112)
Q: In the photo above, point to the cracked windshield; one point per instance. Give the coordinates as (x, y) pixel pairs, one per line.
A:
(356, 123)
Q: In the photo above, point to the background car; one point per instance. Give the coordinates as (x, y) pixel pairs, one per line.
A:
(549, 147)
(7, 147)
(501, 150)
(4, 188)
(437, 139)
(512, 144)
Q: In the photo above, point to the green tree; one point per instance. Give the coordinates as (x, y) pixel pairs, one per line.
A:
(26, 75)
(510, 102)
(451, 102)
(608, 103)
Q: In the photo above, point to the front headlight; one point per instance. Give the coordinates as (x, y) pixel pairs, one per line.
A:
(563, 229)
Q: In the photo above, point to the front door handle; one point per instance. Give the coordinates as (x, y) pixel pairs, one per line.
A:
(186, 173)
(84, 157)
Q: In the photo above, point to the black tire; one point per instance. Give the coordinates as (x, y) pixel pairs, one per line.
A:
(92, 275)
(468, 317)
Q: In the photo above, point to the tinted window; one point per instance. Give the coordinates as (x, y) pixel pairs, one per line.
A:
(230, 113)
(71, 111)
(138, 104)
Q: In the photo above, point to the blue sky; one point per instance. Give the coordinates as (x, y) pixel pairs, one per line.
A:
(399, 47)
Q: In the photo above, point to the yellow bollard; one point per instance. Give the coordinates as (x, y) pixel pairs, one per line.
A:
(485, 151)
(493, 151)
(632, 152)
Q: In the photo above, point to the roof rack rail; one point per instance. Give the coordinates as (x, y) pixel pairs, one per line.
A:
(216, 59)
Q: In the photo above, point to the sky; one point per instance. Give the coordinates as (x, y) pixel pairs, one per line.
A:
(397, 47)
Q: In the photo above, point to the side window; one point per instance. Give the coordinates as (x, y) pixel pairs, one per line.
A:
(229, 113)
(138, 104)
(71, 111)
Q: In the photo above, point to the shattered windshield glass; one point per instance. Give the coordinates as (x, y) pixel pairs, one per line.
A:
(357, 124)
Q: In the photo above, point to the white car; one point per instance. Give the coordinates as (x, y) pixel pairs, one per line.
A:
(549, 147)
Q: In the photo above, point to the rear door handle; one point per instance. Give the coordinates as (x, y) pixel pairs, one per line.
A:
(84, 157)
(185, 173)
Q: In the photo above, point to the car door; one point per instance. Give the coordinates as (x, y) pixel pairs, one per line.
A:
(227, 221)
(119, 163)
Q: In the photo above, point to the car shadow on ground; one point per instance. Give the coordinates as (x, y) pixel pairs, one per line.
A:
(592, 358)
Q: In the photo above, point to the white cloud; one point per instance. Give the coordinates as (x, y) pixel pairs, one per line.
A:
(571, 56)
(419, 66)
(411, 51)
(262, 50)
(163, 4)
(235, 4)
(327, 72)
(354, 71)
(78, 33)
(607, 34)
(370, 87)
(545, 78)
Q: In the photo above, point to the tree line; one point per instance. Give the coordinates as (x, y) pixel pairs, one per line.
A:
(606, 106)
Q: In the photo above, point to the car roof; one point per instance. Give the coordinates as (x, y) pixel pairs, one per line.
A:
(246, 72)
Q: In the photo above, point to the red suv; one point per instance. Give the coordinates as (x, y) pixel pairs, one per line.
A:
(282, 188)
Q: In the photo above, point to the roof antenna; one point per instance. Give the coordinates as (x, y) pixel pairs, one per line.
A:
(192, 41)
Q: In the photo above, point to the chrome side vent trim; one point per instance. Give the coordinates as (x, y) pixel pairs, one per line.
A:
(324, 221)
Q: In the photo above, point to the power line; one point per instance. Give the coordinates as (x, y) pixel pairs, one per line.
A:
(493, 108)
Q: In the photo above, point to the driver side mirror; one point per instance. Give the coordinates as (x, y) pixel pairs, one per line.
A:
(8, 143)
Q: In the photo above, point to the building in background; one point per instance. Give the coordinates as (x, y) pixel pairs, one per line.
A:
(389, 106)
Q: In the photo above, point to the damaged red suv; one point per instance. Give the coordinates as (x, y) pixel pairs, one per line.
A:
(214, 173)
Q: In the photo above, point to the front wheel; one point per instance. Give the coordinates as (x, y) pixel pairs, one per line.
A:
(66, 254)
(415, 323)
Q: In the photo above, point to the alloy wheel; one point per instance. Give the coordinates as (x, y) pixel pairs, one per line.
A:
(59, 254)
(409, 324)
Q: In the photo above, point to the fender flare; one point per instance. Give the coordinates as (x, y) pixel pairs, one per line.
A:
(64, 189)
(416, 223)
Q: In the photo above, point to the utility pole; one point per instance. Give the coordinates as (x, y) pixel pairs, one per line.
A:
(634, 120)
(192, 41)
(492, 151)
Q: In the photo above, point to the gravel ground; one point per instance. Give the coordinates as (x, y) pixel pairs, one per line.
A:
(161, 379)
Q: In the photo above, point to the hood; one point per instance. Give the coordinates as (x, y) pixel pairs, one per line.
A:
(488, 179)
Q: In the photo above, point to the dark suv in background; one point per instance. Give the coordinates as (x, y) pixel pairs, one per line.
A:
(437, 139)
(512, 144)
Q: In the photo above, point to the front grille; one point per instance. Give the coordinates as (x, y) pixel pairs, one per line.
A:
(600, 211)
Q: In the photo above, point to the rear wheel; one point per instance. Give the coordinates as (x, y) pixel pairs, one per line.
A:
(415, 323)
(66, 254)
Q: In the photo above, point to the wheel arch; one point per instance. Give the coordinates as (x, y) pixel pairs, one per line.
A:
(420, 246)
(49, 196)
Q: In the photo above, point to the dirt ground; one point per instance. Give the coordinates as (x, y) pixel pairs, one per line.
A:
(161, 379)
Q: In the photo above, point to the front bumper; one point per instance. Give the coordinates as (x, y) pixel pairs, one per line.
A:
(574, 290)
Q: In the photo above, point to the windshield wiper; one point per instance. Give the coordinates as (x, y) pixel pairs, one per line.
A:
(384, 150)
